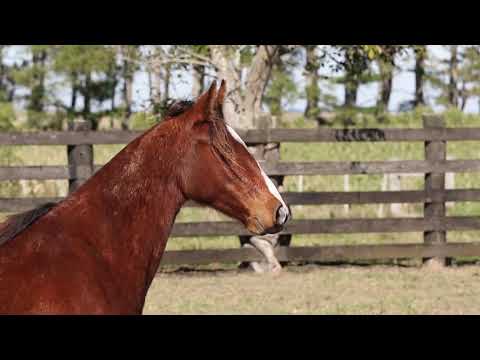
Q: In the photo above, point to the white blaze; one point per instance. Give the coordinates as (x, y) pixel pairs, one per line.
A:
(270, 185)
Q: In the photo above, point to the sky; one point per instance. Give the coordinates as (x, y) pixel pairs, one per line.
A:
(403, 87)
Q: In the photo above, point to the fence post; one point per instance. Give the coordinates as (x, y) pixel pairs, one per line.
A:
(80, 157)
(434, 151)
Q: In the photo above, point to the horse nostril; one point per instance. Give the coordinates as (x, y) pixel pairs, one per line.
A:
(282, 215)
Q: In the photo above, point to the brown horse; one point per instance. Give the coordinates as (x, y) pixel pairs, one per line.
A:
(97, 251)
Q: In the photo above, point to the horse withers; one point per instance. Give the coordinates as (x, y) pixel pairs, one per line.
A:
(97, 251)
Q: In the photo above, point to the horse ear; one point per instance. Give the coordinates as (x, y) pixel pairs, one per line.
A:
(221, 97)
(205, 104)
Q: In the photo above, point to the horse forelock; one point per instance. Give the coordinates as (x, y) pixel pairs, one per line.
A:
(177, 108)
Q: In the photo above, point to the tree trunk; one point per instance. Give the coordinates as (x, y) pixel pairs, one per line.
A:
(155, 80)
(241, 109)
(453, 76)
(351, 90)
(150, 83)
(86, 96)
(386, 76)
(166, 84)
(275, 101)
(87, 99)
(127, 93)
(420, 57)
(198, 75)
(11, 93)
(312, 89)
(7, 82)
(113, 87)
(224, 61)
(73, 99)
(257, 80)
(3, 89)
(112, 100)
(37, 96)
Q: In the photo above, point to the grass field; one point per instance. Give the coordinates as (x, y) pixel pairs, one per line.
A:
(321, 290)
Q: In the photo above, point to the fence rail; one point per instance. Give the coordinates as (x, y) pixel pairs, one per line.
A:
(275, 169)
(252, 137)
(335, 226)
(435, 224)
(324, 253)
(306, 198)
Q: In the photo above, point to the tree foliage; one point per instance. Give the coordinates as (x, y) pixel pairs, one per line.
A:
(93, 81)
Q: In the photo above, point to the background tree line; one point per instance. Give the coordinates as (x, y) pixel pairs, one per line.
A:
(51, 83)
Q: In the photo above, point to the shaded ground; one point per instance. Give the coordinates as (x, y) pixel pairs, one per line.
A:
(319, 290)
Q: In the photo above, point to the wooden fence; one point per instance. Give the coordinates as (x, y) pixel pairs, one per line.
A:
(434, 224)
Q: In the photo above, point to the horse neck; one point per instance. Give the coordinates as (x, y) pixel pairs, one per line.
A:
(131, 205)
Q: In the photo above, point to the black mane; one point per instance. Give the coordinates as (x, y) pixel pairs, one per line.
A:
(17, 223)
(178, 107)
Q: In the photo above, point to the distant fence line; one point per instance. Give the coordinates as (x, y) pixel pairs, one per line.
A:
(434, 224)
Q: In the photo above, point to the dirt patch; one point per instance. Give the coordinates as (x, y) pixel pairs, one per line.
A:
(318, 290)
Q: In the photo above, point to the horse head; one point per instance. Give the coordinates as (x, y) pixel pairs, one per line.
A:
(218, 170)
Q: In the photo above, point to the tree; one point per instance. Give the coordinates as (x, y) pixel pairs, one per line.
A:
(160, 62)
(89, 70)
(419, 70)
(255, 63)
(453, 76)
(32, 75)
(457, 76)
(281, 88)
(7, 91)
(355, 62)
(351, 82)
(39, 72)
(257, 75)
(246, 68)
(199, 70)
(469, 73)
(7, 81)
(386, 62)
(153, 64)
(386, 70)
(312, 89)
(128, 69)
(198, 80)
